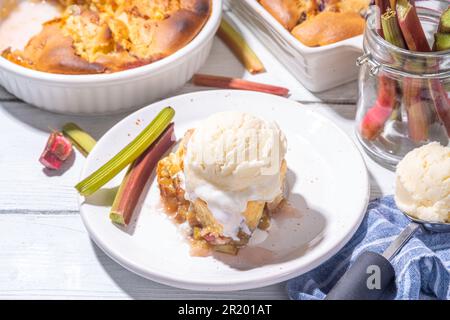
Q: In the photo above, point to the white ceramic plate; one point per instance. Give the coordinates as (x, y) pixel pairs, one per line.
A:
(328, 185)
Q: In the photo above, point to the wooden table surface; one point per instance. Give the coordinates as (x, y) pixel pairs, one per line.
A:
(45, 251)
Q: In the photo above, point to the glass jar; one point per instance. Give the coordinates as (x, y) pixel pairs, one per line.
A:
(403, 95)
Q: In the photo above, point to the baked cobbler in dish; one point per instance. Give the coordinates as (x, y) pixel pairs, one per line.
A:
(319, 22)
(103, 36)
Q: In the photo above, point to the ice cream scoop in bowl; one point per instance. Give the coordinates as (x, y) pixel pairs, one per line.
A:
(423, 188)
(423, 196)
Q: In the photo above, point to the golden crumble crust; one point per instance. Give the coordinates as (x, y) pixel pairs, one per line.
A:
(102, 36)
(316, 22)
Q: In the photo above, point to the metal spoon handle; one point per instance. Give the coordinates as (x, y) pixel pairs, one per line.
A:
(401, 240)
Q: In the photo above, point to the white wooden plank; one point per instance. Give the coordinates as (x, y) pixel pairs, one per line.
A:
(51, 257)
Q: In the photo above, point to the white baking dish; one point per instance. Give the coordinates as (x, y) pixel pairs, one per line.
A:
(317, 68)
(115, 92)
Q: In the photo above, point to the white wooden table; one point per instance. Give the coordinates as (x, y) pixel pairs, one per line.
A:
(45, 252)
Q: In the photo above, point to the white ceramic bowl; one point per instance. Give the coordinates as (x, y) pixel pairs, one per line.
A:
(327, 180)
(115, 92)
(317, 68)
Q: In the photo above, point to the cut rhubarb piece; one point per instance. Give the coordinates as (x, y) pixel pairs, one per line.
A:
(137, 176)
(411, 27)
(235, 83)
(441, 41)
(374, 120)
(391, 29)
(240, 48)
(80, 138)
(50, 160)
(57, 150)
(376, 117)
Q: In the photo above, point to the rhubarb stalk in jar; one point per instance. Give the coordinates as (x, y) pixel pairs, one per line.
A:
(404, 82)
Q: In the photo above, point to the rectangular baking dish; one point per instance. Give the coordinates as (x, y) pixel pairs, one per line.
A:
(317, 68)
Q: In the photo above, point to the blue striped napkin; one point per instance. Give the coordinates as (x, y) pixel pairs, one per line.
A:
(422, 267)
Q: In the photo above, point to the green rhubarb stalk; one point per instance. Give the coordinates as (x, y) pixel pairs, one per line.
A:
(137, 176)
(391, 29)
(127, 155)
(240, 47)
(442, 37)
(79, 138)
(444, 22)
(441, 41)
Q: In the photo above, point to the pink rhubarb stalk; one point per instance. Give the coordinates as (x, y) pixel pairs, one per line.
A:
(417, 110)
(383, 5)
(411, 27)
(375, 118)
(236, 83)
(416, 40)
(137, 176)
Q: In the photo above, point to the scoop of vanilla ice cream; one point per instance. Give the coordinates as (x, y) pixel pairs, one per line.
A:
(233, 158)
(423, 183)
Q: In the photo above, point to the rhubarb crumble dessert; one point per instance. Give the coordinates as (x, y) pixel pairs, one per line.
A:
(103, 36)
(319, 22)
(225, 180)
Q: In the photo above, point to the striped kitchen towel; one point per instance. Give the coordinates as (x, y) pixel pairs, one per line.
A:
(422, 267)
